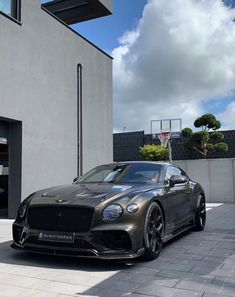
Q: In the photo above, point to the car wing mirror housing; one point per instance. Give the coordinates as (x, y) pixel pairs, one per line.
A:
(177, 179)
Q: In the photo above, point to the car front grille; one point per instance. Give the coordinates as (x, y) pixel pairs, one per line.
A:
(60, 218)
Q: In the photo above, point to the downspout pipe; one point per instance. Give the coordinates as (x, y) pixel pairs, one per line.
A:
(79, 120)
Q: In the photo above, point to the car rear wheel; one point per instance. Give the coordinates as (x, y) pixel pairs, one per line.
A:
(200, 216)
(153, 231)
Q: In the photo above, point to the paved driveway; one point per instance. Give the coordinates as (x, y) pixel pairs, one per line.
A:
(196, 264)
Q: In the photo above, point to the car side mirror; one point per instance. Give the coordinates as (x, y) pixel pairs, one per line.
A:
(177, 179)
(75, 179)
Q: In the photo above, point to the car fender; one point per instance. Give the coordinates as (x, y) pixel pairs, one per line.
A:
(198, 190)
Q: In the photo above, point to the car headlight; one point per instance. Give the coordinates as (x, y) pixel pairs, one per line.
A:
(112, 212)
(24, 205)
(22, 210)
(132, 208)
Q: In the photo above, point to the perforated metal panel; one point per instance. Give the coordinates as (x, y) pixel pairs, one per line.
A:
(60, 218)
(126, 147)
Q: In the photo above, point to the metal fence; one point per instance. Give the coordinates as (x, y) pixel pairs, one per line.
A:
(126, 147)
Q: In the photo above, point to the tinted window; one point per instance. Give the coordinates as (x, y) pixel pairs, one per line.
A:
(141, 173)
(5, 6)
(171, 170)
(123, 173)
(11, 8)
(184, 173)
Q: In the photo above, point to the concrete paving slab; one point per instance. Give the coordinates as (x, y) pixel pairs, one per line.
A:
(195, 264)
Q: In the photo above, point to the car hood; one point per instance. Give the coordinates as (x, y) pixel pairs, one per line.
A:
(87, 194)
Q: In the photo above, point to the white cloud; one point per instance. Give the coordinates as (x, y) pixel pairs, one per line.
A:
(181, 54)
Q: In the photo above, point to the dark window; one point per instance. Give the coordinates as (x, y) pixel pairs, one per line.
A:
(184, 173)
(171, 170)
(123, 173)
(11, 8)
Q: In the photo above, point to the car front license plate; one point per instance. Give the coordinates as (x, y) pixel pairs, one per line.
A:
(56, 236)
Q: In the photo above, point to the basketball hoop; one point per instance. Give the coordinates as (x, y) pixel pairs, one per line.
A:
(164, 137)
(173, 126)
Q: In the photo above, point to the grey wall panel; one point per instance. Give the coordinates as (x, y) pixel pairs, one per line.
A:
(198, 170)
(217, 177)
(182, 164)
(221, 181)
(38, 82)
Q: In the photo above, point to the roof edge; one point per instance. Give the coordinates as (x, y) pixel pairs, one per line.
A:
(75, 11)
(71, 29)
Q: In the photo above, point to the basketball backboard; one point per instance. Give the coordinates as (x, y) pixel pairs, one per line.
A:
(174, 126)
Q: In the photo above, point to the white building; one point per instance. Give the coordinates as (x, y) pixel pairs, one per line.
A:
(55, 99)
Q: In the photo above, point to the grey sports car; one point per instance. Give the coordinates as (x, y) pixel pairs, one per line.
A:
(120, 210)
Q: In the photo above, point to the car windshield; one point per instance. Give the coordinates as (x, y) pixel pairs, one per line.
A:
(123, 173)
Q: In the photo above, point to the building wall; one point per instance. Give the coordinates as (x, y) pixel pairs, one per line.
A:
(217, 176)
(38, 82)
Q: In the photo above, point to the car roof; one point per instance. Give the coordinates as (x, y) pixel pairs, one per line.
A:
(140, 162)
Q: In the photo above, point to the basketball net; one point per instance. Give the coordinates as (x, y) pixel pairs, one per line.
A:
(164, 137)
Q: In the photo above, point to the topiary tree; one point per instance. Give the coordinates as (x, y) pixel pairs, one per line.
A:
(208, 139)
(154, 152)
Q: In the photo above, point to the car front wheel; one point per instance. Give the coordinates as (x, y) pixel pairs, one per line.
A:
(153, 231)
(200, 216)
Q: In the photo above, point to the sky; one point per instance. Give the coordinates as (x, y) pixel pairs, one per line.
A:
(172, 59)
(105, 31)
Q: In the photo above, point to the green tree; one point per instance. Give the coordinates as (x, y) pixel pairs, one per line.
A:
(154, 152)
(208, 139)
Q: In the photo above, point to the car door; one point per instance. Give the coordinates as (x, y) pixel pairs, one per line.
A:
(178, 200)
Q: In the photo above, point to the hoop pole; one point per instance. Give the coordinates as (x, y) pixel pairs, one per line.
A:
(170, 152)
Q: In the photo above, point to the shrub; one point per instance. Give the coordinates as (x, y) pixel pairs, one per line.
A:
(221, 147)
(153, 152)
(216, 136)
(187, 132)
(205, 141)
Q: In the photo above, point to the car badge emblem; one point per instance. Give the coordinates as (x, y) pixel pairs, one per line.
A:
(60, 201)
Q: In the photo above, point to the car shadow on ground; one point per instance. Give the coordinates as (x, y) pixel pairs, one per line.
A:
(201, 262)
(18, 257)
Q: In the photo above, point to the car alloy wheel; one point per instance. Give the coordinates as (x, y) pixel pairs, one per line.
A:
(200, 219)
(153, 231)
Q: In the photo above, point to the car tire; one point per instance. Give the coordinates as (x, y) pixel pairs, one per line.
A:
(200, 216)
(153, 231)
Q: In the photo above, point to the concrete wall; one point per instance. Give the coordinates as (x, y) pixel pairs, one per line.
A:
(217, 176)
(38, 83)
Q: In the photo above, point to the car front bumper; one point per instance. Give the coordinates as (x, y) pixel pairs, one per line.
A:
(98, 243)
